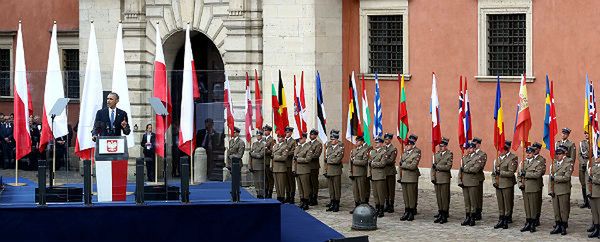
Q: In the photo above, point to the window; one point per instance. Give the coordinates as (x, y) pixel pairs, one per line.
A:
(5, 72)
(385, 44)
(71, 67)
(506, 44)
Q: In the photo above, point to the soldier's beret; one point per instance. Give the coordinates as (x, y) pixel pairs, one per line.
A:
(236, 129)
(444, 141)
(360, 138)
(471, 145)
(378, 140)
(477, 140)
(560, 150)
(303, 135)
(334, 135)
(259, 132)
(334, 131)
(314, 132)
(566, 130)
(388, 136)
(413, 137)
(507, 143)
(530, 149)
(267, 128)
(289, 129)
(537, 145)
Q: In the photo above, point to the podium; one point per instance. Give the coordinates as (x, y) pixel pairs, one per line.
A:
(111, 168)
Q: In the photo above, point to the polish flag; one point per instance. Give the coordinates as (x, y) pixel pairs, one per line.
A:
(248, 107)
(52, 93)
(161, 91)
(303, 113)
(21, 102)
(186, 120)
(257, 102)
(229, 121)
(119, 82)
(91, 100)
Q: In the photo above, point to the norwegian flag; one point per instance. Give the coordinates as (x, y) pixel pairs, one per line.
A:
(461, 117)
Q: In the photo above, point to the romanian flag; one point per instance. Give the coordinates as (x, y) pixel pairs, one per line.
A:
(282, 109)
(523, 121)
(275, 106)
(402, 129)
(498, 120)
(353, 125)
(550, 126)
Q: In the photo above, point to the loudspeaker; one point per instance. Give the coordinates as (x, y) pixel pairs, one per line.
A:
(157, 193)
(61, 194)
(352, 239)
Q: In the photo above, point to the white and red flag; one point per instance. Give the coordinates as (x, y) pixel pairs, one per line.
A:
(189, 92)
(119, 82)
(248, 104)
(22, 108)
(228, 105)
(162, 92)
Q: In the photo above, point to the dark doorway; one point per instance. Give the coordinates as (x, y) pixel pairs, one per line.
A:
(208, 108)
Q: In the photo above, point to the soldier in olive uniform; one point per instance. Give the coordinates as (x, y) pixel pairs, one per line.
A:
(594, 195)
(409, 177)
(469, 181)
(482, 156)
(291, 146)
(390, 160)
(531, 172)
(440, 177)
(560, 189)
(377, 166)
(280, 155)
(270, 141)
(257, 163)
(571, 149)
(301, 170)
(359, 156)
(537, 156)
(504, 181)
(333, 171)
(583, 162)
(236, 148)
(316, 148)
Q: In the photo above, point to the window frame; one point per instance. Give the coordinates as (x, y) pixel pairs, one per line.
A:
(68, 40)
(7, 40)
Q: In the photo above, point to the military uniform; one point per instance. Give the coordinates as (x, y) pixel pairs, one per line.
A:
(440, 177)
(291, 147)
(358, 173)
(409, 179)
(257, 166)
(504, 182)
(316, 148)
(531, 172)
(333, 160)
(541, 184)
(268, 164)
(571, 149)
(378, 177)
(482, 157)
(471, 166)
(561, 199)
(583, 162)
(302, 171)
(391, 153)
(280, 171)
(594, 179)
(235, 150)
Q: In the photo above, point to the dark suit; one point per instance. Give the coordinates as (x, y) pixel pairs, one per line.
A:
(149, 149)
(8, 144)
(103, 126)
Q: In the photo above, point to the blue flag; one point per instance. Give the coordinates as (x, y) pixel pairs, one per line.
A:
(377, 123)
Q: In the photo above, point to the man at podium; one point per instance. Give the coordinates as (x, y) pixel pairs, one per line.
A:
(111, 121)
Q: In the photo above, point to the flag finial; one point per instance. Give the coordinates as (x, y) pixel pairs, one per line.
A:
(120, 21)
(92, 21)
(54, 21)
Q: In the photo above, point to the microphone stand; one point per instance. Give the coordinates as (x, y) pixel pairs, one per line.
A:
(164, 116)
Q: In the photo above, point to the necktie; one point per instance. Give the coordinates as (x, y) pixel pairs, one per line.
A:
(112, 118)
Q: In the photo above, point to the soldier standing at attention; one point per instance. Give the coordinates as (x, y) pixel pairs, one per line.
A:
(291, 146)
(301, 170)
(333, 171)
(560, 186)
(390, 171)
(268, 158)
(469, 182)
(571, 149)
(504, 181)
(409, 179)
(537, 156)
(316, 148)
(440, 177)
(257, 163)
(594, 194)
(583, 160)
(236, 148)
(358, 171)
(482, 157)
(378, 176)
(280, 155)
(531, 173)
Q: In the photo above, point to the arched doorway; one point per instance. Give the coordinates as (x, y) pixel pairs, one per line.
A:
(209, 108)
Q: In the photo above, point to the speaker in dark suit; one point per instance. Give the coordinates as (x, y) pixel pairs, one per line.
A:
(148, 144)
(111, 121)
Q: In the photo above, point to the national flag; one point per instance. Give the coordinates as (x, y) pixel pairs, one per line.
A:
(434, 110)
(119, 82)
(586, 106)
(228, 105)
(91, 100)
(467, 119)
(321, 117)
(378, 117)
(21, 102)
(257, 102)
(298, 123)
(303, 111)
(462, 142)
(282, 108)
(248, 108)
(402, 129)
(162, 92)
(593, 122)
(353, 124)
(275, 107)
(499, 136)
(523, 123)
(53, 91)
(366, 113)
(186, 119)
(550, 126)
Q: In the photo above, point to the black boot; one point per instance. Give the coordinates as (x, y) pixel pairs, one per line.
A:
(557, 228)
(564, 228)
(586, 201)
(505, 222)
(405, 216)
(329, 206)
(438, 214)
(281, 199)
(444, 215)
(533, 226)
(472, 221)
(380, 213)
(527, 226)
(595, 232)
(500, 222)
(336, 206)
(467, 219)
(390, 208)
(509, 219)
(591, 228)
(313, 200)
(411, 215)
(438, 217)
(355, 205)
(477, 214)
(292, 199)
(536, 222)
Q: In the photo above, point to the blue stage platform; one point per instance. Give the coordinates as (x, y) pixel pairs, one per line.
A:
(209, 217)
